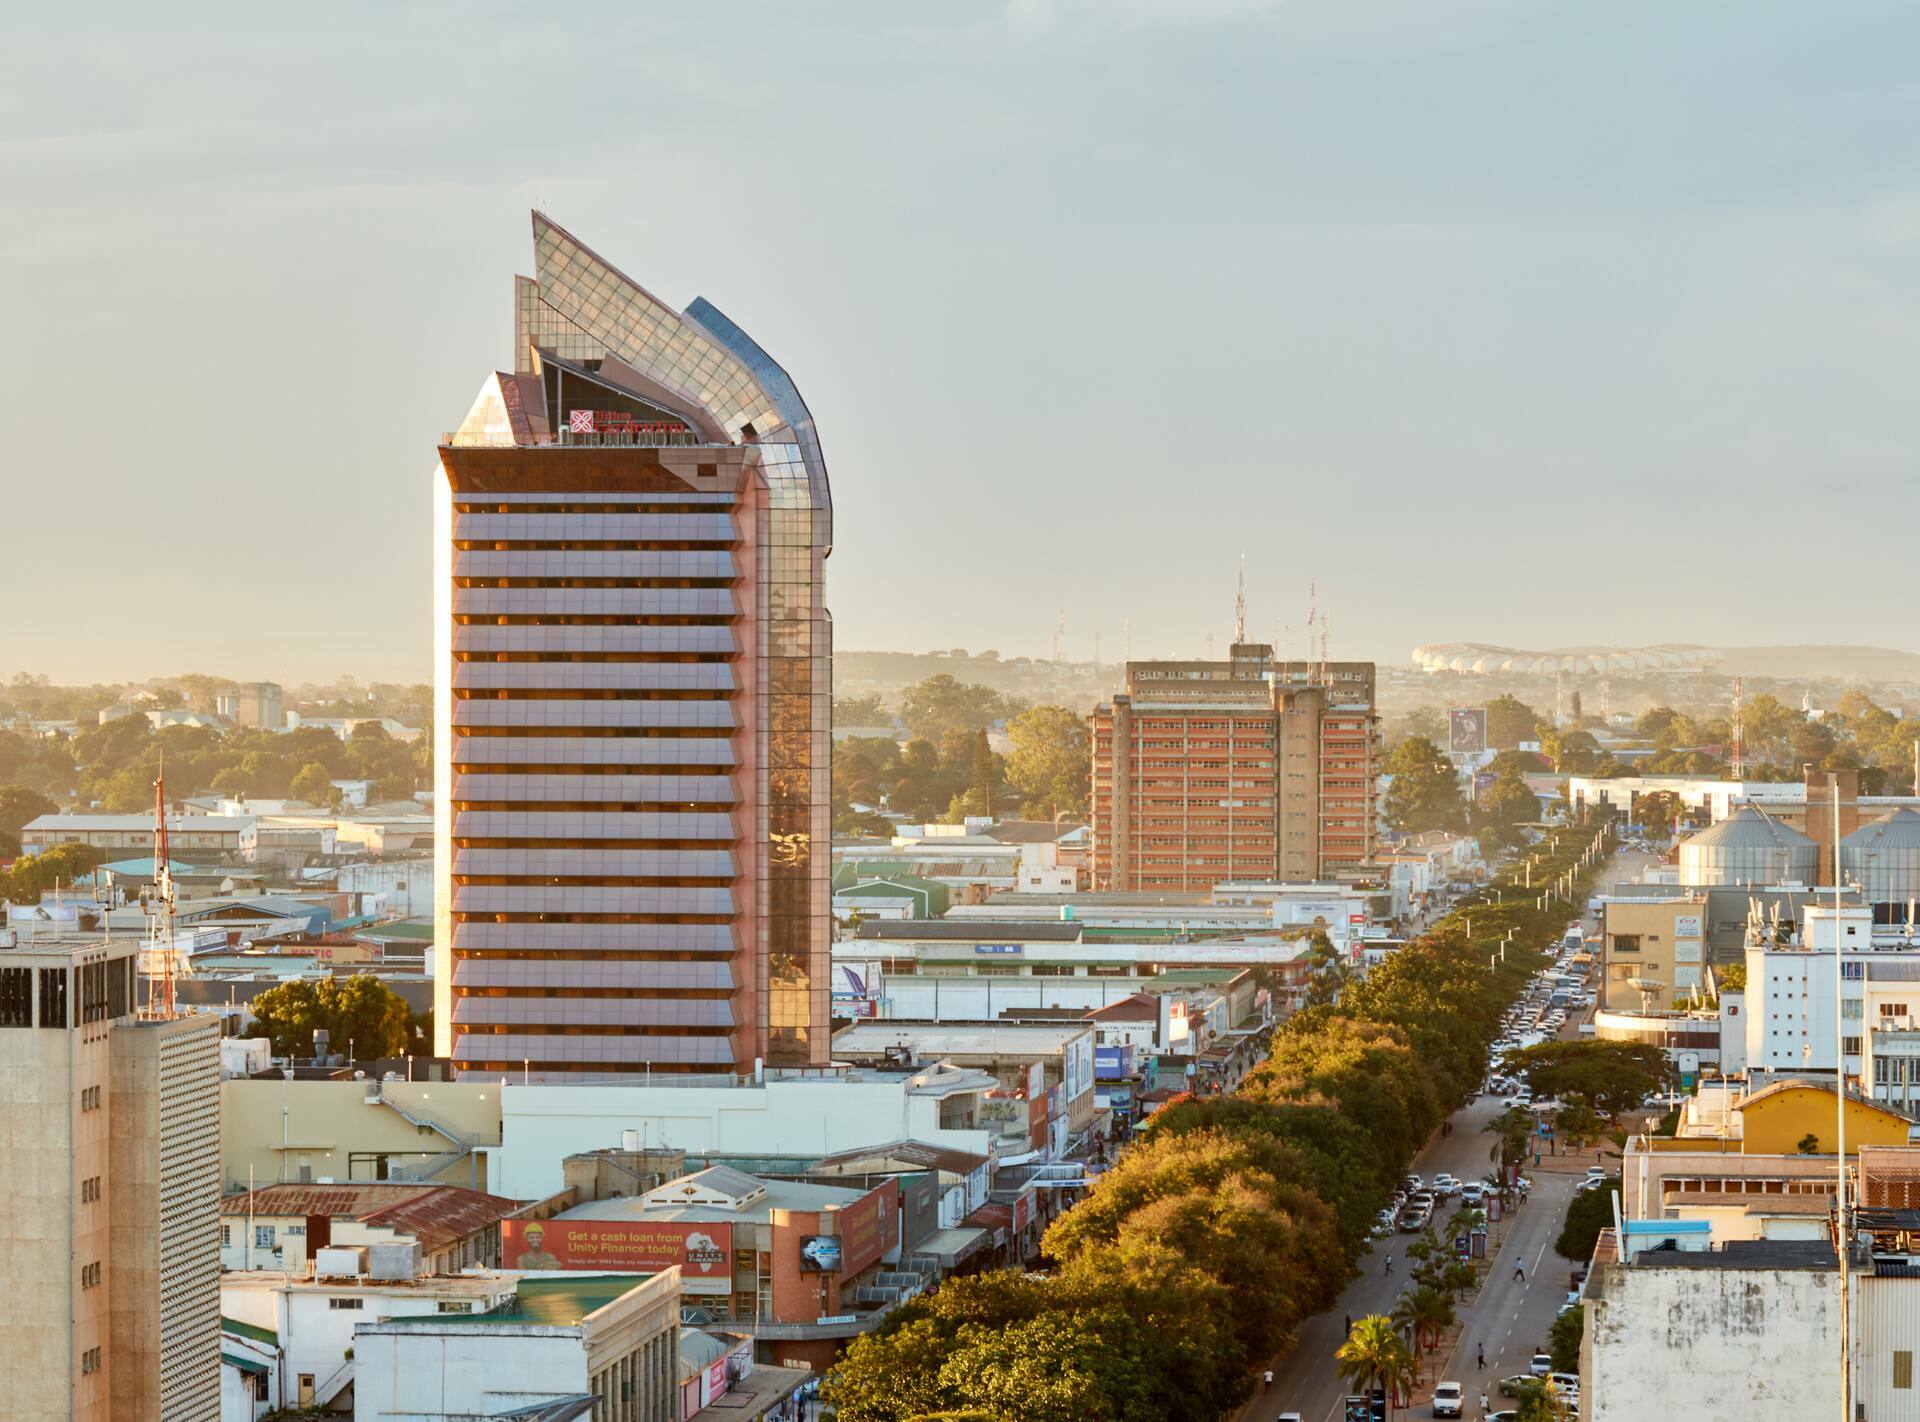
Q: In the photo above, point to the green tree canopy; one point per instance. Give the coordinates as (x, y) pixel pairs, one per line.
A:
(1511, 721)
(1424, 793)
(314, 785)
(360, 1013)
(1590, 1212)
(1507, 804)
(20, 806)
(943, 703)
(1049, 762)
(33, 875)
(865, 710)
(1610, 1076)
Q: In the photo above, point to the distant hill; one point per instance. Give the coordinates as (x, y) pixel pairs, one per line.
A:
(1822, 663)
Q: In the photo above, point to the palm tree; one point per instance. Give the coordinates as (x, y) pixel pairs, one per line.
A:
(1425, 1310)
(1375, 1356)
(1512, 1127)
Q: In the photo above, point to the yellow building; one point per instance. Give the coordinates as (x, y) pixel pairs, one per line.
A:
(1777, 1119)
(1653, 947)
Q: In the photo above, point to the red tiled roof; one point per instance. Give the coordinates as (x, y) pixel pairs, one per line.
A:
(435, 1215)
(1135, 1007)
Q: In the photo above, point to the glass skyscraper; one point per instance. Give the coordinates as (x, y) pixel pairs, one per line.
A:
(633, 690)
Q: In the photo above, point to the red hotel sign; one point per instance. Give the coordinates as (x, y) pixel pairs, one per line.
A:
(701, 1250)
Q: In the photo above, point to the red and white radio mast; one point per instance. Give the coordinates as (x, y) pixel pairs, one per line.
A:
(160, 949)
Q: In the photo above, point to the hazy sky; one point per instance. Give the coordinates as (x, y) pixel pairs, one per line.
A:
(1524, 322)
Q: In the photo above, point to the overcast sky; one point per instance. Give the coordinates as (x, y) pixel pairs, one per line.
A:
(1522, 322)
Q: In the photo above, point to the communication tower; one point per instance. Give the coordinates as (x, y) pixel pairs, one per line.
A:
(1739, 759)
(161, 955)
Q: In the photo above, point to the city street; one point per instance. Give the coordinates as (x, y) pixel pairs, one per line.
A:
(1512, 1315)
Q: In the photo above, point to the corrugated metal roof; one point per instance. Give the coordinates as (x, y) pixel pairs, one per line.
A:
(1899, 830)
(435, 1215)
(1750, 827)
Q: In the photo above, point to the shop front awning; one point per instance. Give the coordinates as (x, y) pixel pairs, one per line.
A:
(245, 1365)
(952, 1246)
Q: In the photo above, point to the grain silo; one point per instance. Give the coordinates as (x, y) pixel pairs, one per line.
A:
(1748, 847)
(1883, 858)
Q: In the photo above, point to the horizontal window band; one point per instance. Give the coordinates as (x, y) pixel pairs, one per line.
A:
(602, 733)
(583, 1029)
(616, 619)
(633, 1069)
(568, 583)
(591, 807)
(592, 768)
(531, 881)
(599, 658)
(494, 843)
(537, 994)
(472, 508)
(562, 693)
(722, 919)
(541, 545)
(588, 955)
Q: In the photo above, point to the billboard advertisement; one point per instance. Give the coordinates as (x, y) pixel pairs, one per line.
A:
(867, 1226)
(820, 1254)
(1467, 730)
(703, 1251)
(1113, 1063)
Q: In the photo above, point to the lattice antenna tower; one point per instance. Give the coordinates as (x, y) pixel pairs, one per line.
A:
(1739, 766)
(1240, 606)
(161, 997)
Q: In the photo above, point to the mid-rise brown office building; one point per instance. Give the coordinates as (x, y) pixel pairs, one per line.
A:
(1247, 769)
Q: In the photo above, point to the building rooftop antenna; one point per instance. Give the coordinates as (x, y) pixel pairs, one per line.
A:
(161, 1001)
(1739, 765)
(1240, 606)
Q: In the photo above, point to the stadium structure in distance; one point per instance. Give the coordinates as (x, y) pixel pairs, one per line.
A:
(1479, 659)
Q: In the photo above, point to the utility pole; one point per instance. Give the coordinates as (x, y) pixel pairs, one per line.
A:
(1844, 1243)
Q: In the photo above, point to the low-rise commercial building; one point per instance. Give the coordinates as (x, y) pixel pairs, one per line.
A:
(1030, 1060)
(304, 1132)
(194, 837)
(283, 1226)
(797, 1115)
(786, 1260)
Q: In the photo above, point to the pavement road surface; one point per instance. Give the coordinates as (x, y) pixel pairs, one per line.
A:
(1512, 1315)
